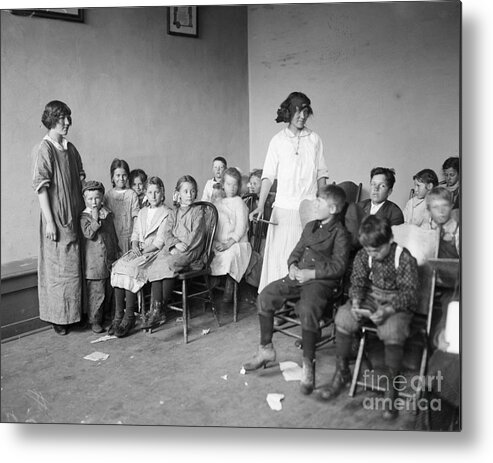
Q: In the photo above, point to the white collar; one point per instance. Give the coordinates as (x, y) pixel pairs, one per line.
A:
(103, 212)
(62, 147)
(304, 132)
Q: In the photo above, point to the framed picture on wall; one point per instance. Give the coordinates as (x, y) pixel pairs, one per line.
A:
(183, 20)
(65, 14)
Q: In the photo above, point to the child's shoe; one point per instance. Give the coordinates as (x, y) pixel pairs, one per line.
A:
(341, 378)
(265, 354)
(97, 328)
(114, 325)
(124, 327)
(308, 376)
(156, 317)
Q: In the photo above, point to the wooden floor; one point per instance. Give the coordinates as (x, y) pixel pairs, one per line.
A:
(157, 380)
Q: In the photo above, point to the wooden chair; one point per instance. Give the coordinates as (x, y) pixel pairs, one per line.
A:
(423, 245)
(353, 191)
(195, 283)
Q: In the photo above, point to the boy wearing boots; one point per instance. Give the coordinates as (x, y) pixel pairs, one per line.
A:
(100, 250)
(315, 265)
(384, 283)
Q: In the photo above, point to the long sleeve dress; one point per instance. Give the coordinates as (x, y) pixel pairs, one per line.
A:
(185, 225)
(58, 168)
(232, 223)
(297, 162)
(125, 207)
(131, 272)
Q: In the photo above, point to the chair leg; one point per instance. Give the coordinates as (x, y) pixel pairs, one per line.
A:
(185, 311)
(357, 365)
(235, 301)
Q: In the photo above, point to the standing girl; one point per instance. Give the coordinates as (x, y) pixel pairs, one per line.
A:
(231, 247)
(124, 203)
(57, 179)
(295, 158)
(184, 243)
(138, 180)
(130, 272)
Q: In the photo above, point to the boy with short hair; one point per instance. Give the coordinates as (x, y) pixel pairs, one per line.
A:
(316, 265)
(384, 282)
(416, 211)
(219, 165)
(100, 250)
(440, 205)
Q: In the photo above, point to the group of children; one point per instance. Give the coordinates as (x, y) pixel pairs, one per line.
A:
(383, 275)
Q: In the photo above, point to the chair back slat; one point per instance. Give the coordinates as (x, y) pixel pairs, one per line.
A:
(352, 190)
(210, 225)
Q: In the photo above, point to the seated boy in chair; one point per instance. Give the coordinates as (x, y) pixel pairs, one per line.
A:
(315, 265)
(384, 282)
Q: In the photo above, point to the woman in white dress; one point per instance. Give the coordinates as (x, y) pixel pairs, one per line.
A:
(295, 158)
(232, 250)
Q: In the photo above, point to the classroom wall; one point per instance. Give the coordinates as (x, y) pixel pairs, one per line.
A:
(164, 103)
(383, 79)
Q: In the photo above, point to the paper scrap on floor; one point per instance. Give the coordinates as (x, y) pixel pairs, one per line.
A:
(207, 331)
(291, 371)
(103, 338)
(274, 401)
(97, 356)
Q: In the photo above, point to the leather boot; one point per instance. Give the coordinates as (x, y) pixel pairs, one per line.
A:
(117, 319)
(390, 412)
(124, 327)
(265, 354)
(308, 376)
(341, 378)
(156, 317)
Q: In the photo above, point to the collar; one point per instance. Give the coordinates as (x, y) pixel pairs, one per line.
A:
(62, 147)
(103, 212)
(304, 133)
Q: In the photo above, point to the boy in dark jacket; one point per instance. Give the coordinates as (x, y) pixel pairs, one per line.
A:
(100, 250)
(315, 265)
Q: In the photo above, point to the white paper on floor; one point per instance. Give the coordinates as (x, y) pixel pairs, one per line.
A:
(242, 371)
(291, 371)
(207, 331)
(97, 356)
(274, 401)
(225, 377)
(103, 338)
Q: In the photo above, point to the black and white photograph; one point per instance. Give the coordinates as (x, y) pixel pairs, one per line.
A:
(238, 216)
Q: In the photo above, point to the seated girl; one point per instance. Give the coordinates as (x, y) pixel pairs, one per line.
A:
(184, 245)
(231, 247)
(130, 271)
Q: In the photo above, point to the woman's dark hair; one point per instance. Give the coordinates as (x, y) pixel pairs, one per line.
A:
(295, 101)
(138, 173)
(427, 176)
(375, 231)
(53, 111)
(389, 175)
(452, 163)
(235, 173)
(118, 164)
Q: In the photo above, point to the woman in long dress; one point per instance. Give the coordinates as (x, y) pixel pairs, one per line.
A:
(57, 179)
(295, 158)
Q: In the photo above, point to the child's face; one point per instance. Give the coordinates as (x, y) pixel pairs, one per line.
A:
(440, 210)
(217, 169)
(120, 178)
(93, 199)
(451, 176)
(421, 188)
(378, 253)
(379, 190)
(230, 186)
(187, 194)
(138, 186)
(155, 195)
(217, 194)
(254, 185)
(323, 208)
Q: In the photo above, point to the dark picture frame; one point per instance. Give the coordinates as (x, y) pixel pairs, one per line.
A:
(64, 14)
(183, 20)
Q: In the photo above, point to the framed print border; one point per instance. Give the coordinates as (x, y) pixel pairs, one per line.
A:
(183, 20)
(64, 14)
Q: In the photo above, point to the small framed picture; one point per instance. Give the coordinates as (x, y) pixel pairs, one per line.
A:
(65, 14)
(183, 20)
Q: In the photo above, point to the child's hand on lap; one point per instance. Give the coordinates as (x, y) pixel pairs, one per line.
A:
(305, 275)
(182, 247)
(293, 270)
(381, 314)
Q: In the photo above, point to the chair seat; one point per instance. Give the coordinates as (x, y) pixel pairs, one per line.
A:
(193, 274)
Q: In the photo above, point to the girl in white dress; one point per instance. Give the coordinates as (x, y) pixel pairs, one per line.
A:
(295, 158)
(232, 249)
